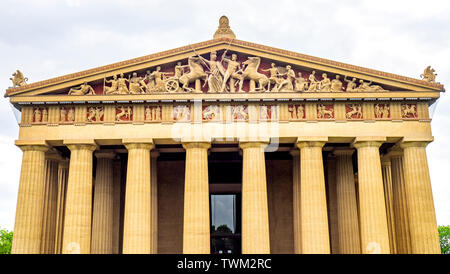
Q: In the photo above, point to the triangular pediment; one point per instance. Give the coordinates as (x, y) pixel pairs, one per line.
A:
(246, 52)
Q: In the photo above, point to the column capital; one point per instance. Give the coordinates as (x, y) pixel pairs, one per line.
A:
(138, 143)
(146, 146)
(343, 151)
(81, 144)
(303, 144)
(368, 141)
(39, 145)
(189, 145)
(360, 144)
(105, 154)
(256, 144)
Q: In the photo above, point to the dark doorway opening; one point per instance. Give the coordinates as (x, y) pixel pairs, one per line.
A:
(225, 177)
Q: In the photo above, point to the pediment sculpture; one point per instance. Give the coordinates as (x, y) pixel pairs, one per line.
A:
(225, 74)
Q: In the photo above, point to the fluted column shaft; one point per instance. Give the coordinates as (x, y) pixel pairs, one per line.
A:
(400, 205)
(117, 176)
(421, 214)
(137, 221)
(348, 223)
(314, 224)
(332, 204)
(50, 204)
(63, 173)
(373, 221)
(196, 225)
(78, 211)
(102, 216)
(296, 200)
(255, 212)
(388, 197)
(29, 210)
(154, 200)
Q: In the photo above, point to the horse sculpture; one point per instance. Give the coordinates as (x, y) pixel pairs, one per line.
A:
(196, 71)
(251, 73)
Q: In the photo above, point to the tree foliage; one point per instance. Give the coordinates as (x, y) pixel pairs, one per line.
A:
(5, 241)
(444, 238)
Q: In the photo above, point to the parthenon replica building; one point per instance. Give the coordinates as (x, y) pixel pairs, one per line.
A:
(225, 146)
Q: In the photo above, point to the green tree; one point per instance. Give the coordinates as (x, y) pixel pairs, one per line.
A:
(5, 241)
(444, 238)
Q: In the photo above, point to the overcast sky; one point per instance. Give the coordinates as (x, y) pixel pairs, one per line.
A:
(48, 38)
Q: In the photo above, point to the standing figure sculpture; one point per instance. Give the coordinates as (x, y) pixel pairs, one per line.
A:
(274, 76)
(114, 85)
(286, 84)
(122, 85)
(179, 70)
(231, 72)
(83, 89)
(312, 81)
(62, 114)
(216, 72)
(251, 72)
(148, 82)
(44, 115)
(37, 115)
(336, 84)
(71, 115)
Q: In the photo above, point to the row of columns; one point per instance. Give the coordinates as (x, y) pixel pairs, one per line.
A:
(367, 223)
(389, 210)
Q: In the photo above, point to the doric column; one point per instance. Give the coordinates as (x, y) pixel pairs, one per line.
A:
(255, 212)
(102, 216)
(388, 198)
(373, 221)
(196, 234)
(421, 214)
(348, 223)
(399, 201)
(63, 173)
(332, 204)
(314, 224)
(117, 179)
(78, 210)
(50, 203)
(137, 222)
(296, 200)
(154, 200)
(30, 200)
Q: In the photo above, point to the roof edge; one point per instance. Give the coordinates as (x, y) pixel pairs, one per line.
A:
(236, 42)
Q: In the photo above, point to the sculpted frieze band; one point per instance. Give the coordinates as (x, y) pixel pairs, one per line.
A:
(222, 112)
